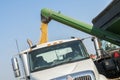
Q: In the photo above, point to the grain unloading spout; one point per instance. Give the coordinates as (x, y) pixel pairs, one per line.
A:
(48, 15)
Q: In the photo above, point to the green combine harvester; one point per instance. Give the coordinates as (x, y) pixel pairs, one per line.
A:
(47, 15)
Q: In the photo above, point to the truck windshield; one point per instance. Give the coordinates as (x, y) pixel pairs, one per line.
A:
(55, 55)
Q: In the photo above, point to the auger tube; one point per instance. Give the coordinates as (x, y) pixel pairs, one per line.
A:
(47, 15)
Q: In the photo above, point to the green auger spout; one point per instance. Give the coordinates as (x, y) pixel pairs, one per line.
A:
(47, 15)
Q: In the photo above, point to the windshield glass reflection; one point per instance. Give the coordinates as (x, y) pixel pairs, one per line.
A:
(57, 54)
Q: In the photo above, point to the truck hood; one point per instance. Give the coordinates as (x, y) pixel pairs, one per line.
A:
(66, 69)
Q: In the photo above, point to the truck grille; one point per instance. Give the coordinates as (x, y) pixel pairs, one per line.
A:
(87, 77)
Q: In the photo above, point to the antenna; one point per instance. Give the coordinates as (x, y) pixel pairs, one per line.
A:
(17, 46)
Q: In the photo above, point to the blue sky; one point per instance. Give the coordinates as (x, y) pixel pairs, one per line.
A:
(20, 19)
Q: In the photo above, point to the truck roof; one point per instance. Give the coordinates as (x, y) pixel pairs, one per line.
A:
(49, 44)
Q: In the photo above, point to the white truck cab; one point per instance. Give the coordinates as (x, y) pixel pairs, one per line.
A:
(57, 60)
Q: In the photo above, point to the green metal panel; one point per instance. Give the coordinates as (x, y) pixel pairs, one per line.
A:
(115, 26)
(109, 18)
(48, 14)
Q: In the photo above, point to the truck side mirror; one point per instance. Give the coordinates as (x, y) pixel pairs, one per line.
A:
(15, 67)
